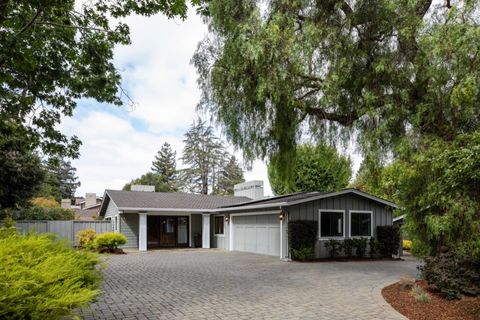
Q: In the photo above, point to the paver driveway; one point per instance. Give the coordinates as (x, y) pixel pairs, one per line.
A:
(212, 284)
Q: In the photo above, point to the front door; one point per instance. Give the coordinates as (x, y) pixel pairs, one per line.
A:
(168, 228)
(165, 232)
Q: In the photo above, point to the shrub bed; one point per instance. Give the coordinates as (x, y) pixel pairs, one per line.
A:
(302, 235)
(452, 275)
(388, 238)
(42, 277)
(39, 213)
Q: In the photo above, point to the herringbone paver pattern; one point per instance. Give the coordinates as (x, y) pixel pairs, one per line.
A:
(212, 284)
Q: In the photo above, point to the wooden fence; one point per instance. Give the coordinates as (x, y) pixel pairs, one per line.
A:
(66, 229)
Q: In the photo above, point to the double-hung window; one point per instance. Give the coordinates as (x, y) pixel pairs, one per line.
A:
(332, 223)
(219, 225)
(361, 223)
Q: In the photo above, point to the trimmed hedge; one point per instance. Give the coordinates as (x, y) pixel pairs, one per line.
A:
(302, 235)
(42, 277)
(388, 238)
(452, 275)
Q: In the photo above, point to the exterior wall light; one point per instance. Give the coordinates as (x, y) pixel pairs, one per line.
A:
(281, 216)
(226, 219)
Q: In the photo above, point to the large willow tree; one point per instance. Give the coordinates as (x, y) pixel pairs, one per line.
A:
(398, 76)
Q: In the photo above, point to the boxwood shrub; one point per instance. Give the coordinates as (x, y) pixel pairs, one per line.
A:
(302, 235)
(388, 238)
(43, 278)
(109, 241)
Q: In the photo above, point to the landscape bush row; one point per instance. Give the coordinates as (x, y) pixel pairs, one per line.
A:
(304, 234)
(104, 242)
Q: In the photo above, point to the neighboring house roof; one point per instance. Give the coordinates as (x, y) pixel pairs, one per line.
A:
(301, 197)
(174, 201)
(87, 214)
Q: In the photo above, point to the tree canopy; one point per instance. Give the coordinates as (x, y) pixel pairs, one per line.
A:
(230, 175)
(399, 78)
(317, 168)
(61, 181)
(165, 164)
(150, 179)
(54, 53)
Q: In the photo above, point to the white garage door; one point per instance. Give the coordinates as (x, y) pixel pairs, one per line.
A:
(257, 234)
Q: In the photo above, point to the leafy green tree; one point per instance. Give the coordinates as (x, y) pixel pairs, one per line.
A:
(53, 53)
(230, 175)
(317, 168)
(204, 154)
(61, 181)
(401, 77)
(151, 179)
(21, 173)
(165, 164)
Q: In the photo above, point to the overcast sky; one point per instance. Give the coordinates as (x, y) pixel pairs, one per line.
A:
(118, 143)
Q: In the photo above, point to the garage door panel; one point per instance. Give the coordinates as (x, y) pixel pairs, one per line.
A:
(257, 234)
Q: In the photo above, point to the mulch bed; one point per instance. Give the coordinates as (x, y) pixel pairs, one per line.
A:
(438, 308)
(111, 251)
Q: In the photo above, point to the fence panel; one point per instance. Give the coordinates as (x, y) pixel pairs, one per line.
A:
(66, 229)
(63, 228)
(32, 226)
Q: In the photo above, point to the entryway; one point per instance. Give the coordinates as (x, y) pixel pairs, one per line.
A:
(167, 231)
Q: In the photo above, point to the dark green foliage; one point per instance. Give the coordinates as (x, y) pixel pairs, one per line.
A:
(151, 179)
(302, 234)
(39, 213)
(302, 254)
(61, 181)
(374, 247)
(388, 238)
(348, 245)
(230, 175)
(360, 245)
(317, 168)
(44, 278)
(165, 165)
(21, 173)
(334, 247)
(452, 275)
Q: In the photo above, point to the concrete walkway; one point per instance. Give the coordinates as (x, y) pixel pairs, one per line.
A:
(213, 284)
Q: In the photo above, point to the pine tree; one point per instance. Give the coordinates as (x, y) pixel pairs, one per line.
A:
(61, 180)
(165, 165)
(204, 153)
(230, 175)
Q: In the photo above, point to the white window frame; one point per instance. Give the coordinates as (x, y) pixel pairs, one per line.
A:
(350, 223)
(219, 234)
(320, 224)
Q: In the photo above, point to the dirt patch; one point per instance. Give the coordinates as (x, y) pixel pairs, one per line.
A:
(438, 308)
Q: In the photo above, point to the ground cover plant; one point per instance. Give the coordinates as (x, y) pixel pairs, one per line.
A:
(42, 277)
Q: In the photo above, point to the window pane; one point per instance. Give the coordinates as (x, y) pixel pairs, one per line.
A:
(361, 224)
(182, 230)
(331, 224)
(218, 225)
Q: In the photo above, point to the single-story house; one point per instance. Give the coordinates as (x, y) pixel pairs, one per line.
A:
(158, 220)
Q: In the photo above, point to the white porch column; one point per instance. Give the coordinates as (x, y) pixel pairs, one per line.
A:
(142, 231)
(206, 230)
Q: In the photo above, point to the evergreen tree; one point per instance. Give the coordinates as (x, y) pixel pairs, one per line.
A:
(61, 181)
(230, 175)
(165, 165)
(204, 153)
(150, 179)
